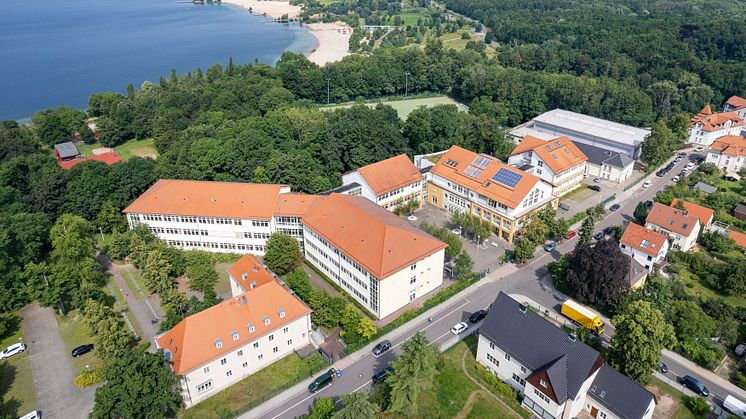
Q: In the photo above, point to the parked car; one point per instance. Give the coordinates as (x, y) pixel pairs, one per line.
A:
(13, 349)
(36, 414)
(570, 234)
(381, 375)
(675, 179)
(614, 207)
(322, 381)
(597, 180)
(662, 367)
(649, 204)
(699, 149)
(459, 328)
(594, 188)
(647, 183)
(82, 350)
(660, 173)
(550, 246)
(694, 385)
(740, 349)
(607, 231)
(599, 235)
(734, 406)
(478, 315)
(682, 154)
(382, 347)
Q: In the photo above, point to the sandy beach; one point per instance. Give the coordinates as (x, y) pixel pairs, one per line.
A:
(271, 8)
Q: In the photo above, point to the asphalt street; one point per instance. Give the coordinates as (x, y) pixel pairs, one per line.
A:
(526, 281)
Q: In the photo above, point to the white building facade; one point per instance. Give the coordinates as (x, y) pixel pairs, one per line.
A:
(389, 183)
(728, 153)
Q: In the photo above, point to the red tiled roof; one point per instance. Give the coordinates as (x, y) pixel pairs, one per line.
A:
(737, 102)
(560, 154)
(704, 214)
(295, 204)
(643, 239)
(528, 143)
(387, 175)
(732, 145)
(738, 237)
(108, 158)
(672, 219)
(715, 121)
(247, 270)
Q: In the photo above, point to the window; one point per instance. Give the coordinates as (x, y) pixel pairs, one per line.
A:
(234, 335)
(245, 364)
(266, 320)
(218, 343)
(229, 373)
(413, 267)
(275, 349)
(206, 370)
(240, 353)
(493, 360)
(523, 369)
(543, 383)
(207, 385)
(256, 345)
(507, 357)
(602, 415)
(260, 357)
(271, 338)
(282, 313)
(285, 330)
(541, 396)
(223, 361)
(251, 327)
(413, 280)
(290, 342)
(519, 380)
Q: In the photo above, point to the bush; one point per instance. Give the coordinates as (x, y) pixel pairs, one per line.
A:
(697, 405)
(87, 378)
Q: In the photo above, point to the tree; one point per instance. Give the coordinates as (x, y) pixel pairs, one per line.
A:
(598, 275)
(156, 273)
(716, 242)
(299, 282)
(201, 271)
(524, 250)
(138, 385)
(110, 218)
(357, 406)
(282, 253)
(463, 265)
(641, 213)
(414, 371)
(641, 334)
(110, 334)
(586, 232)
(535, 231)
(57, 125)
(323, 408)
(366, 329)
(558, 271)
(659, 145)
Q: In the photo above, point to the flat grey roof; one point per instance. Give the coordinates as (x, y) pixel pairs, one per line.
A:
(597, 127)
(65, 150)
(708, 189)
(342, 189)
(598, 155)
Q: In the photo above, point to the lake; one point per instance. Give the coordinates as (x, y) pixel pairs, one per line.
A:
(58, 52)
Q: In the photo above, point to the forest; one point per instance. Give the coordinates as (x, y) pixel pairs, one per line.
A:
(680, 53)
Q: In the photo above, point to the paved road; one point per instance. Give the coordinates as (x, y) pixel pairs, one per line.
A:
(526, 281)
(56, 393)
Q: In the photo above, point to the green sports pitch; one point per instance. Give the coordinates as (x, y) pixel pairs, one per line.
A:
(405, 106)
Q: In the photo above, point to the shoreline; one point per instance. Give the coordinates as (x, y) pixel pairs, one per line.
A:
(332, 38)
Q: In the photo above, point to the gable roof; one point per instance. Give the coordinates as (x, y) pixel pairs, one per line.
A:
(598, 156)
(387, 175)
(715, 121)
(540, 346)
(732, 145)
(738, 237)
(66, 150)
(108, 158)
(736, 102)
(643, 239)
(378, 240)
(248, 269)
(636, 272)
(192, 342)
(454, 165)
(528, 142)
(672, 219)
(620, 394)
(704, 214)
(597, 127)
(739, 209)
(208, 199)
(560, 154)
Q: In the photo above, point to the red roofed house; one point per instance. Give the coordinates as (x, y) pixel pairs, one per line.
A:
(707, 126)
(705, 215)
(728, 153)
(738, 237)
(558, 162)
(681, 227)
(219, 346)
(108, 158)
(736, 104)
(388, 183)
(645, 246)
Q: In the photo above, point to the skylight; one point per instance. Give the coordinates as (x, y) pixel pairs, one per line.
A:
(451, 163)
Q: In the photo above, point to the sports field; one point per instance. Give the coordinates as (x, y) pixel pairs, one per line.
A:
(406, 106)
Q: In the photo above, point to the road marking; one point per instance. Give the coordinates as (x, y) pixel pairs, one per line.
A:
(368, 382)
(293, 406)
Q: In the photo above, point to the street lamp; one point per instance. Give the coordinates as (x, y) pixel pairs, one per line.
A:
(406, 83)
(328, 84)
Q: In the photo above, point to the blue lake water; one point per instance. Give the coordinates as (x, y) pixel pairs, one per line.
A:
(58, 52)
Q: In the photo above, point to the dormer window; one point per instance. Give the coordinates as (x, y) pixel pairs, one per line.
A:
(543, 383)
(251, 327)
(282, 313)
(218, 343)
(266, 320)
(234, 335)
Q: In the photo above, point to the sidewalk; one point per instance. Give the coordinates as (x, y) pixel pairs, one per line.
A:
(707, 374)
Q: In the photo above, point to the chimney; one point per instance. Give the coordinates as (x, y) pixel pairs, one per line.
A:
(572, 338)
(523, 308)
(252, 284)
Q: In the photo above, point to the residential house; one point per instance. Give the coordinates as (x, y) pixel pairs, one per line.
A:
(464, 181)
(728, 153)
(607, 135)
(221, 345)
(636, 275)
(645, 246)
(557, 375)
(704, 214)
(707, 126)
(681, 227)
(738, 237)
(740, 212)
(388, 183)
(557, 162)
(607, 165)
(380, 259)
(66, 151)
(736, 104)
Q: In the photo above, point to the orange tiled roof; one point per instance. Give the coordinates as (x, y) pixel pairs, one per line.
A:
(704, 214)
(192, 341)
(643, 239)
(732, 145)
(560, 154)
(738, 237)
(483, 183)
(715, 121)
(387, 175)
(373, 237)
(295, 204)
(737, 102)
(108, 158)
(528, 143)
(672, 219)
(208, 199)
(254, 272)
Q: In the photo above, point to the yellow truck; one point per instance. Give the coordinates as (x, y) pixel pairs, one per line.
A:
(583, 316)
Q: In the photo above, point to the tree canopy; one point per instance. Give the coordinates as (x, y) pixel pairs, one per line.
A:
(282, 253)
(598, 275)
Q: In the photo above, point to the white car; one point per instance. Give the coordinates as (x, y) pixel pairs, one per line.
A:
(13, 349)
(699, 149)
(459, 328)
(33, 415)
(647, 184)
(675, 179)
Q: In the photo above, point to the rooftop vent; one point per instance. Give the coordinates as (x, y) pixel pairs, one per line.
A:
(603, 394)
(266, 320)
(252, 285)
(255, 268)
(218, 343)
(523, 307)
(244, 275)
(281, 313)
(251, 327)
(234, 335)
(572, 338)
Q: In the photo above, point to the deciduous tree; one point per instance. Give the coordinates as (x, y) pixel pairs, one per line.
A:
(356, 406)
(282, 253)
(598, 275)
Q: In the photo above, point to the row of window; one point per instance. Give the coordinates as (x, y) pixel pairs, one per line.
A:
(362, 297)
(211, 245)
(287, 220)
(205, 220)
(395, 192)
(259, 236)
(168, 230)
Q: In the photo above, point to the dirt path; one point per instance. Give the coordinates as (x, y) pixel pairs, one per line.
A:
(467, 406)
(463, 367)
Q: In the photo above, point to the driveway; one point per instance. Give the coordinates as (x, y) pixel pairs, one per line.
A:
(56, 393)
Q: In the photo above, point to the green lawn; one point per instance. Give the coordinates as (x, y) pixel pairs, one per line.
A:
(74, 333)
(142, 148)
(257, 388)
(405, 106)
(411, 17)
(681, 412)
(118, 294)
(16, 381)
(136, 274)
(224, 283)
(696, 288)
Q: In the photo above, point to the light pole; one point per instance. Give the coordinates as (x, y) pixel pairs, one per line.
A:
(406, 83)
(328, 85)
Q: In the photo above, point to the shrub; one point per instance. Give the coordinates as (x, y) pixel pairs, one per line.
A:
(697, 405)
(87, 378)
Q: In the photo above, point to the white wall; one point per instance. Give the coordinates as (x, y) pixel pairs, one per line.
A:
(353, 177)
(297, 331)
(506, 369)
(725, 162)
(590, 403)
(388, 199)
(706, 138)
(642, 257)
(396, 291)
(678, 242)
(608, 172)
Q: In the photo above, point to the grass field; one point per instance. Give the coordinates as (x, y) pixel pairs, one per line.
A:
(405, 106)
(16, 381)
(132, 148)
(256, 388)
(75, 333)
(410, 17)
(695, 287)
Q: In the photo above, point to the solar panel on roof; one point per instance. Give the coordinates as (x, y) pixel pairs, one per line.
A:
(481, 162)
(507, 177)
(473, 171)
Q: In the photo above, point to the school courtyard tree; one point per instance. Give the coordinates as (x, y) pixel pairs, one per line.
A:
(282, 253)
